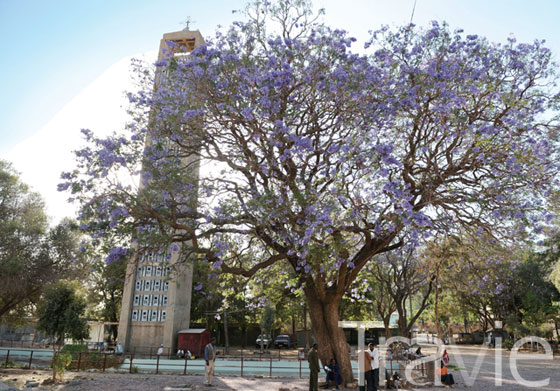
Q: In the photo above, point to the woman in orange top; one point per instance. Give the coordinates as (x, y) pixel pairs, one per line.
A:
(446, 377)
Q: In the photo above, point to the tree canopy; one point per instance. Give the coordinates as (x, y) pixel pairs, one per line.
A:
(32, 255)
(61, 313)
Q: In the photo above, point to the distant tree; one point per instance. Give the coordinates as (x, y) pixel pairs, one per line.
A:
(267, 321)
(104, 295)
(324, 158)
(368, 299)
(404, 274)
(480, 273)
(32, 255)
(61, 313)
(537, 297)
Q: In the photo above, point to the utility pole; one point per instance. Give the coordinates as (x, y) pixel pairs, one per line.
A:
(226, 331)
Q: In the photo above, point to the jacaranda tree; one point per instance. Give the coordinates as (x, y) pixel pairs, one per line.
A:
(275, 137)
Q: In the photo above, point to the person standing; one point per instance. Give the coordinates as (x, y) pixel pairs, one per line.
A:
(210, 357)
(313, 359)
(366, 369)
(445, 357)
(160, 350)
(374, 363)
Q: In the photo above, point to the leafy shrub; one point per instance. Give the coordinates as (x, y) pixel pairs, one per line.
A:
(60, 362)
(74, 348)
(508, 344)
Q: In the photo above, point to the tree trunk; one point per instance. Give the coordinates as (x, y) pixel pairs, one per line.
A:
(403, 322)
(386, 322)
(226, 332)
(305, 333)
(436, 310)
(54, 364)
(330, 338)
(262, 341)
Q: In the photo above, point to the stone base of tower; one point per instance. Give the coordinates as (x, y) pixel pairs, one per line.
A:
(139, 334)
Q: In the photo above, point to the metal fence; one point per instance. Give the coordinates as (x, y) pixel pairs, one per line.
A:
(230, 365)
(226, 365)
(5, 343)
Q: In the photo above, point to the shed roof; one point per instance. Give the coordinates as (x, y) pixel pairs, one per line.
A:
(192, 331)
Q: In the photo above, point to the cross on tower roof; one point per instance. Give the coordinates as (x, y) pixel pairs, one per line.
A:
(187, 23)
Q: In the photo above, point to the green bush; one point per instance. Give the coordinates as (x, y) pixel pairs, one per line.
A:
(60, 363)
(74, 348)
(508, 344)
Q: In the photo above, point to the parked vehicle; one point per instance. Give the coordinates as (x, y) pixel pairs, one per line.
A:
(266, 341)
(282, 340)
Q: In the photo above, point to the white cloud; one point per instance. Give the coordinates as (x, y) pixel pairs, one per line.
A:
(100, 107)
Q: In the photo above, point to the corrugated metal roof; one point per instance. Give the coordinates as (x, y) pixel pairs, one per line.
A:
(192, 331)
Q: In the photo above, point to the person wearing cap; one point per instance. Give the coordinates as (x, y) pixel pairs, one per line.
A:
(313, 359)
(210, 357)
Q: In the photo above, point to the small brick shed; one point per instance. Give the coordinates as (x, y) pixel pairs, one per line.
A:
(194, 340)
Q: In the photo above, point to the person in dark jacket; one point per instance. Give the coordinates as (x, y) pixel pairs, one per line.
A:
(313, 359)
(333, 373)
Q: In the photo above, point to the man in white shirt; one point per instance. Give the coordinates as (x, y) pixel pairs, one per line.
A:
(374, 377)
(160, 350)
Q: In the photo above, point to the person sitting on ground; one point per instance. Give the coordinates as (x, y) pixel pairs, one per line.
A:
(333, 373)
(189, 355)
(180, 353)
(397, 382)
(446, 377)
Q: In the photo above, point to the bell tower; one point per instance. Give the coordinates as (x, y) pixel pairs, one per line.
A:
(158, 285)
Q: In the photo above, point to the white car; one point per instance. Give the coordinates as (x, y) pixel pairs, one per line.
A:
(266, 341)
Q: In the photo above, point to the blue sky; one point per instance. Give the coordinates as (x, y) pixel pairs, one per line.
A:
(52, 50)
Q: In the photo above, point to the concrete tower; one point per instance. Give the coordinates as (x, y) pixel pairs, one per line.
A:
(158, 286)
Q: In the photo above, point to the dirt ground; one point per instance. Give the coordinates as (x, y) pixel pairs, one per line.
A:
(85, 381)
